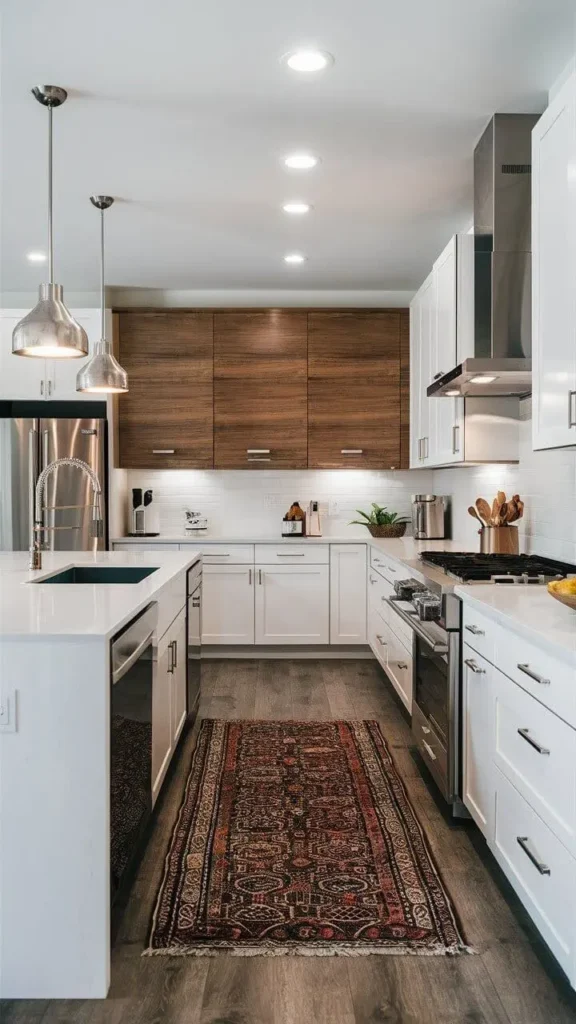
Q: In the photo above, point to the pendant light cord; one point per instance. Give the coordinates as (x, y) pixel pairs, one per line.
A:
(50, 234)
(102, 295)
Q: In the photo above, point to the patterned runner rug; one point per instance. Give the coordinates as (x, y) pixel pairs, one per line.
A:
(299, 838)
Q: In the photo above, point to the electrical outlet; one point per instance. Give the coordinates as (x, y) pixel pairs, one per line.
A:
(8, 712)
(334, 508)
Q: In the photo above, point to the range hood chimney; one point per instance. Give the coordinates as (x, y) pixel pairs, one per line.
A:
(501, 361)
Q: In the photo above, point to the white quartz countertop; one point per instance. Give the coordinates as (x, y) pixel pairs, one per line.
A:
(34, 609)
(405, 548)
(530, 612)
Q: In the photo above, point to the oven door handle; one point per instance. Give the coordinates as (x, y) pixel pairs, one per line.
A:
(132, 658)
(437, 646)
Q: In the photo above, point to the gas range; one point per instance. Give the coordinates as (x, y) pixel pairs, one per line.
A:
(510, 570)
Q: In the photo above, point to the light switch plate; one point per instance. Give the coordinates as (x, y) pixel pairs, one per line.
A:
(8, 712)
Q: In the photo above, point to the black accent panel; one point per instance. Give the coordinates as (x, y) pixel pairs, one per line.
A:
(53, 410)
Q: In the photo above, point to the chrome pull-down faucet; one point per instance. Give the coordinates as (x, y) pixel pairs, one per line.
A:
(37, 527)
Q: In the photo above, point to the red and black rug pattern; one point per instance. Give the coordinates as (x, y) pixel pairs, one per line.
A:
(299, 838)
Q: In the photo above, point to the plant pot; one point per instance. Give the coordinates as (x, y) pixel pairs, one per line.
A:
(395, 530)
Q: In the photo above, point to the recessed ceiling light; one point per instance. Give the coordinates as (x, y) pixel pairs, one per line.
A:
(294, 257)
(295, 206)
(300, 161)
(482, 379)
(308, 61)
(36, 257)
(452, 393)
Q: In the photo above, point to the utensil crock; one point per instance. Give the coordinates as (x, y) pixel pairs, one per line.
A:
(499, 540)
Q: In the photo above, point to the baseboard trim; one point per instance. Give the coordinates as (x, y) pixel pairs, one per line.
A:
(332, 652)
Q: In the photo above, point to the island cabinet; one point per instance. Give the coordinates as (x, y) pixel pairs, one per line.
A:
(166, 419)
(355, 401)
(260, 389)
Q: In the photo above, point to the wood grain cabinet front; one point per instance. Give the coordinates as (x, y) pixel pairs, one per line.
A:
(260, 387)
(166, 419)
(355, 391)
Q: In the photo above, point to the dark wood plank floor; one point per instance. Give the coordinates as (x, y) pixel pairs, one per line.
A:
(512, 980)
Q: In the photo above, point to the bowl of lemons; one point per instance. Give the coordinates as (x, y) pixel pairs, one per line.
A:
(564, 591)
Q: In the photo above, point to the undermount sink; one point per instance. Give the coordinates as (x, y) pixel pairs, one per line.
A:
(99, 574)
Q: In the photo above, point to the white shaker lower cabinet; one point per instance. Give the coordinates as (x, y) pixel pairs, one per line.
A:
(478, 739)
(227, 604)
(347, 593)
(292, 604)
(178, 673)
(162, 714)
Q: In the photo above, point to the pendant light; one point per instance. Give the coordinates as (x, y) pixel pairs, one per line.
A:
(49, 331)
(102, 373)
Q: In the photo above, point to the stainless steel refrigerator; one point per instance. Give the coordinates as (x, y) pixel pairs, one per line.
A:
(30, 442)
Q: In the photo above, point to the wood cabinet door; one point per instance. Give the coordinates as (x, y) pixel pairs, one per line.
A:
(260, 390)
(166, 419)
(354, 389)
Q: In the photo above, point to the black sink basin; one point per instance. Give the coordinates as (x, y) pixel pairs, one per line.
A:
(100, 574)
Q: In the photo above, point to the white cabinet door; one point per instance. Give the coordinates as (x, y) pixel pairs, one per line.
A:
(554, 272)
(448, 412)
(292, 604)
(227, 604)
(161, 717)
(415, 383)
(427, 348)
(347, 593)
(20, 377)
(478, 718)
(178, 673)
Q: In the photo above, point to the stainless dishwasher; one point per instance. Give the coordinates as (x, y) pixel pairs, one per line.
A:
(194, 628)
(131, 674)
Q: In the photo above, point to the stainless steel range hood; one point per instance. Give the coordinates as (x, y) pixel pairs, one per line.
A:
(500, 363)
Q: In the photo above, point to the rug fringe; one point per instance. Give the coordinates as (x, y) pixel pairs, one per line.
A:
(227, 949)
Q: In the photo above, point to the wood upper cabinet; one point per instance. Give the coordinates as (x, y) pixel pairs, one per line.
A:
(260, 389)
(356, 396)
(166, 419)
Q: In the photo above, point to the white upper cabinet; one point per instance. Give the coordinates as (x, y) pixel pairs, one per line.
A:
(554, 272)
(34, 378)
(447, 443)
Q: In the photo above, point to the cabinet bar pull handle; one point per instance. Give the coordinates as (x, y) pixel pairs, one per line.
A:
(260, 577)
(533, 675)
(474, 667)
(474, 629)
(372, 580)
(163, 451)
(258, 458)
(196, 602)
(426, 448)
(249, 577)
(219, 554)
(171, 649)
(175, 654)
(351, 451)
(41, 387)
(257, 451)
(455, 439)
(381, 641)
(49, 388)
(429, 750)
(402, 664)
(525, 734)
(572, 408)
(290, 554)
(523, 842)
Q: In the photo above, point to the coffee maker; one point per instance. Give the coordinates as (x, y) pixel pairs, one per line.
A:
(141, 500)
(431, 516)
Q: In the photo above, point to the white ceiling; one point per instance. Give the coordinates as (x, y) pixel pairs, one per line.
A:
(182, 110)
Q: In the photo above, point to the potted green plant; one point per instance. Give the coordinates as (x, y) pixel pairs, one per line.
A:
(381, 523)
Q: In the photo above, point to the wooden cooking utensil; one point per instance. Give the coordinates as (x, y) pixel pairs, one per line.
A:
(484, 509)
(501, 497)
(472, 511)
(502, 512)
(495, 512)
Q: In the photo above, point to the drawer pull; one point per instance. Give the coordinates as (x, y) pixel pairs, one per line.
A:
(258, 451)
(381, 641)
(523, 842)
(249, 577)
(351, 451)
(372, 580)
(163, 451)
(402, 664)
(533, 675)
(289, 554)
(475, 629)
(426, 730)
(474, 667)
(525, 734)
(429, 751)
(218, 554)
(258, 458)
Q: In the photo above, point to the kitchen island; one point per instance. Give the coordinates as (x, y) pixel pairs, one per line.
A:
(55, 693)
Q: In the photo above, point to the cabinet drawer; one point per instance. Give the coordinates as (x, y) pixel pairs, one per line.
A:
(479, 632)
(400, 628)
(378, 590)
(379, 636)
(292, 554)
(226, 554)
(547, 678)
(390, 569)
(399, 670)
(536, 751)
(430, 747)
(539, 867)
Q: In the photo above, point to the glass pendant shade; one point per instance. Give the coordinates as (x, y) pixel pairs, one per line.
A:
(49, 331)
(102, 373)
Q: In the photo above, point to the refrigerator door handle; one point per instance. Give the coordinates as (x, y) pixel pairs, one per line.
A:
(32, 471)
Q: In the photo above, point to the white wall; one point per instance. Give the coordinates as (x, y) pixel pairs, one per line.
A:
(242, 502)
(546, 482)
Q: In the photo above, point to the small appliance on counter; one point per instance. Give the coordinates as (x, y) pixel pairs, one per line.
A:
(141, 500)
(195, 521)
(431, 516)
(294, 522)
(313, 521)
